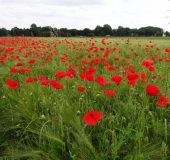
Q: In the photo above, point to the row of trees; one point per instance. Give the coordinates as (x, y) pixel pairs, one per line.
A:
(104, 30)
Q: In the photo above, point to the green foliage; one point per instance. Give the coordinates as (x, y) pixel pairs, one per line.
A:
(39, 122)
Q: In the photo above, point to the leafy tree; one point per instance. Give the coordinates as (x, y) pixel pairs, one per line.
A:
(74, 32)
(91, 35)
(35, 30)
(167, 33)
(3, 32)
(107, 29)
(15, 31)
(141, 31)
(98, 31)
(134, 32)
(114, 32)
(86, 31)
(120, 31)
(127, 31)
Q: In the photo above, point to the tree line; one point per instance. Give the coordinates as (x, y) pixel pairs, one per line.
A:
(105, 30)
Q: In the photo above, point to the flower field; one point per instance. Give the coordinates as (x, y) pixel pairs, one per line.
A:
(84, 98)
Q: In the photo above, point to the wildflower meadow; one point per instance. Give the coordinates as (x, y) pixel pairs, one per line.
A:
(85, 98)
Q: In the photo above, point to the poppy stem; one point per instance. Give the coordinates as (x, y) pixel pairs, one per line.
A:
(166, 132)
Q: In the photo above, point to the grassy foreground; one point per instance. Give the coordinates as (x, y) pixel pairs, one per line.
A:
(84, 98)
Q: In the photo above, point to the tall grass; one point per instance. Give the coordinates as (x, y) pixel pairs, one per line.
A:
(41, 122)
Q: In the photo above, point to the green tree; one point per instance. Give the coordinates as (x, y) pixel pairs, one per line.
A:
(15, 31)
(3, 32)
(107, 29)
(127, 31)
(141, 31)
(35, 30)
(98, 31)
(167, 33)
(120, 31)
(86, 31)
(134, 32)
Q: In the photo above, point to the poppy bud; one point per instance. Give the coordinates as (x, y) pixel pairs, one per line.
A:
(43, 117)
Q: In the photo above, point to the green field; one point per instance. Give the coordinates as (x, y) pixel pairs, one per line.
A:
(85, 98)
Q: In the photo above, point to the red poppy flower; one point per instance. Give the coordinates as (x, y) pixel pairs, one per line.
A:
(31, 61)
(132, 78)
(60, 74)
(89, 76)
(154, 76)
(143, 77)
(44, 82)
(110, 93)
(55, 84)
(30, 79)
(147, 63)
(91, 69)
(71, 70)
(41, 77)
(167, 49)
(110, 68)
(162, 101)
(81, 89)
(12, 84)
(101, 81)
(13, 70)
(19, 64)
(151, 69)
(117, 79)
(23, 70)
(116, 58)
(92, 117)
(82, 76)
(152, 90)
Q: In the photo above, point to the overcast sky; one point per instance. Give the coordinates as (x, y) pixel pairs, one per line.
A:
(80, 14)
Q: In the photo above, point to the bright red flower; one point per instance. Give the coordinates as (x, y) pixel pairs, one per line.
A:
(152, 90)
(44, 82)
(89, 76)
(19, 64)
(31, 61)
(162, 101)
(132, 76)
(92, 117)
(71, 70)
(82, 76)
(147, 63)
(116, 58)
(55, 84)
(23, 70)
(151, 69)
(143, 77)
(28, 69)
(117, 79)
(41, 77)
(167, 49)
(91, 69)
(13, 70)
(60, 74)
(110, 68)
(110, 93)
(101, 81)
(154, 76)
(30, 79)
(81, 89)
(12, 84)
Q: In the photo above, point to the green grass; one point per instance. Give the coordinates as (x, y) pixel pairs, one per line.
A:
(39, 122)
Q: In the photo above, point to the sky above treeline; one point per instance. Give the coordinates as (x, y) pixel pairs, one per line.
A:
(80, 14)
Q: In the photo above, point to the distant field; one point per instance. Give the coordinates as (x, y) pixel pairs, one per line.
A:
(85, 98)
